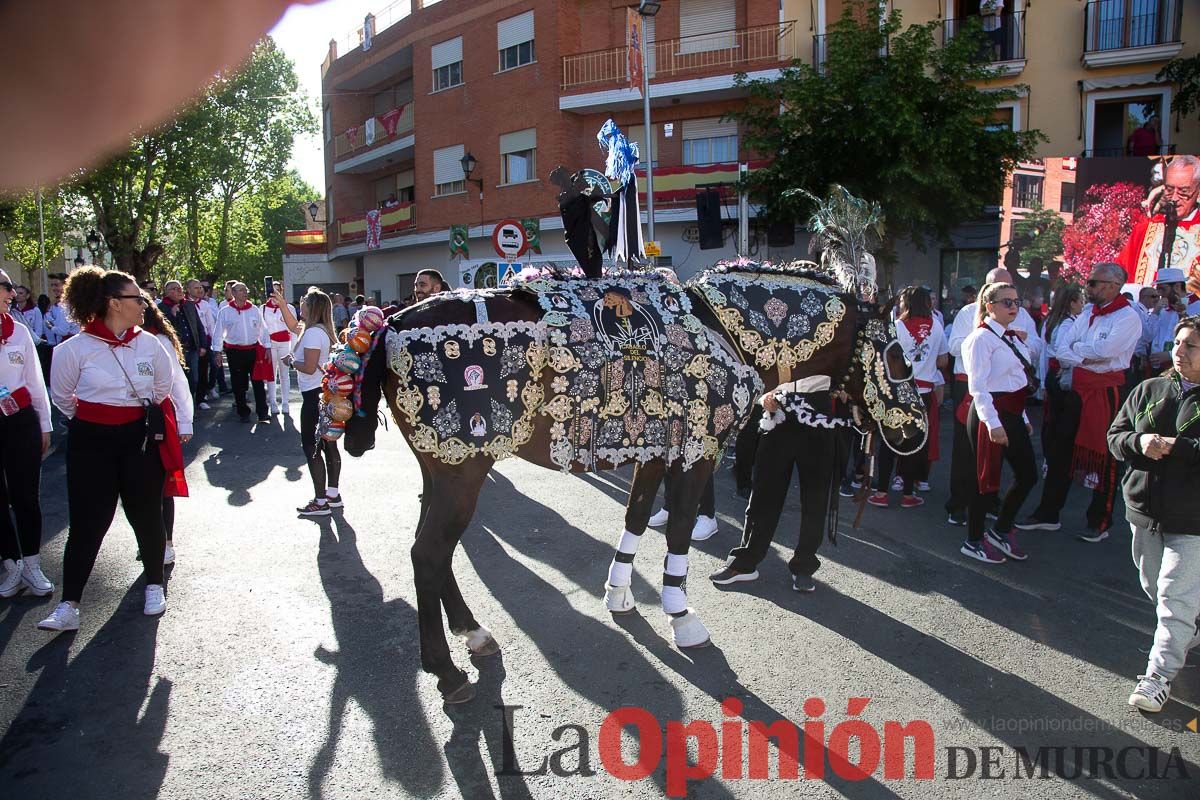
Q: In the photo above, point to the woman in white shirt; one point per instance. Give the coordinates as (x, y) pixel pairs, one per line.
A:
(24, 440)
(155, 323)
(999, 371)
(109, 380)
(1058, 440)
(309, 357)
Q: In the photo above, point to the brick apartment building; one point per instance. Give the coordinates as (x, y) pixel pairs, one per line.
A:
(524, 85)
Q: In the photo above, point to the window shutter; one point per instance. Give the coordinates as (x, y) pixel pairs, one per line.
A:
(447, 52)
(406, 179)
(447, 166)
(700, 17)
(710, 128)
(514, 30)
(649, 56)
(517, 141)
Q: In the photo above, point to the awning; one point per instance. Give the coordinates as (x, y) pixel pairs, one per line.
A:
(1121, 81)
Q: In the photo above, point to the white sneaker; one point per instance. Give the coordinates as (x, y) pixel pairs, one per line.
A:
(705, 528)
(34, 579)
(204, 406)
(897, 484)
(1151, 693)
(155, 602)
(64, 618)
(659, 519)
(168, 555)
(212, 395)
(11, 583)
(922, 486)
(274, 411)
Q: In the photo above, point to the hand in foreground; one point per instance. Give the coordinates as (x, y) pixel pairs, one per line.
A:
(770, 403)
(185, 437)
(45, 444)
(1154, 446)
(998, 436)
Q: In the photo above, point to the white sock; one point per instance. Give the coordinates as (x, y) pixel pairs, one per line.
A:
(674, 599)
(621, 573)
(321, 501)
(331, 492)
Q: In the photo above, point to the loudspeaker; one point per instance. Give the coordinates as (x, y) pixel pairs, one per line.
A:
(781, 234)
(708, 215)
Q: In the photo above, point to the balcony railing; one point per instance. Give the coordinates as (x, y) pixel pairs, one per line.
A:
(725, 50)
(393, 221)
(388, 127)
(676, 187)
(303, 242)
(1004, 43)
(820, 51)
(1122, 24)
(1121, 152)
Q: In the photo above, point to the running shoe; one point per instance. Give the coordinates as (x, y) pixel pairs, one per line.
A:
(956, 519)
(1035, 524)
(897, 484)
(923, 486)
(911, 501)
(65, 617)
(727, 575)
(335, 501)
(704, 529)
(203, 406)
(1007, 544)
(156, 602)
(878, 499)
(1151, 693)
(1092, 536)
(33, 577)
(10, 583)
(314, 509)
(803, 583)
(845, 489)
(982, 551)
(168, 556)
(659, 519)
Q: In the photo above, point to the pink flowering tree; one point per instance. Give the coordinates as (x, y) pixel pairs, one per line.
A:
(1101, 226)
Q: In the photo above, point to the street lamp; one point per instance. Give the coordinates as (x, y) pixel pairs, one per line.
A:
(93, 243)
(313, 208)
(648, 8)
(468, 164)
(79, 262)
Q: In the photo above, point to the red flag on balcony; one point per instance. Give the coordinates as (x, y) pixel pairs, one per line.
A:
(390, 120)
(352, 136)
(373, 229)
(633, 47)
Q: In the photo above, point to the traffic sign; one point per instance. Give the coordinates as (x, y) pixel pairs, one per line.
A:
(509, 239)
(653, 249)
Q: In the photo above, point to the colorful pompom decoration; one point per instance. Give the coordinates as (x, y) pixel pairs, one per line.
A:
(341, 408)
(348, 362)
(370, 319)
(339, 383)
(359, 341)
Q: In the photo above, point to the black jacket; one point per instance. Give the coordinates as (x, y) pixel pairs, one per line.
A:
(1164, 495)
(187, 325)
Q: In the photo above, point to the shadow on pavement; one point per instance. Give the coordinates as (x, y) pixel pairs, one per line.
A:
(378, 667)
(264, 447)
(83, 731)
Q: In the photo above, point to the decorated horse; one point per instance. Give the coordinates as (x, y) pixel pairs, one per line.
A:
(581, 375)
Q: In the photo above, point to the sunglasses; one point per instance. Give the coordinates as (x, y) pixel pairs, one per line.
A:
(137, 297)
(1007, 302)
(1092, 283)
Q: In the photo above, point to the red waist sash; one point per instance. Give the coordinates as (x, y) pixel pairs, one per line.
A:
(281, 336)
(105, 414)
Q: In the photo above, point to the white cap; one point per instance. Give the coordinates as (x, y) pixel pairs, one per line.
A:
(1170, 275)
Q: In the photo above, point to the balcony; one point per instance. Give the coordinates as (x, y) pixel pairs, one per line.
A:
(676, 187)
(1131, 31)
(391, 141)
(303, 242)
(394, 221)
(704, 63)
(1004, 46)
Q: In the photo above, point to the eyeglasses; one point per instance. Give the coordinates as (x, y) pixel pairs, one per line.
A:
(1007, 302)
(1093, 283)
(1180, 191)
(137, 297)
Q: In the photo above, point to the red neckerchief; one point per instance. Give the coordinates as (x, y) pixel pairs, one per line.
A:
(1007, 331)
(233, 304)
(168, 302)
(98, 329)
(7, 326)
(919, 327)
(271, 304)
(29, 306)
(1115, 305)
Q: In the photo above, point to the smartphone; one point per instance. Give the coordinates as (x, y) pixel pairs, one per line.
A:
(268, 287)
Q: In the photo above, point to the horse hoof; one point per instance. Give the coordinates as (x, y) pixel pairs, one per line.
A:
(462, 694)
(689, 632)
(480, 642)
(488, 648)
(619, 599)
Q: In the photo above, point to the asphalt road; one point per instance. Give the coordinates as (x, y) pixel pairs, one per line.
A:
(286, 665)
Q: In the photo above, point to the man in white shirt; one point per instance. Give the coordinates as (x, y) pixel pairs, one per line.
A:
(57, 325)
(194, 291)
(240, 331)
(1097, 349)
(216, 373)
(966, 321)
(28, 314)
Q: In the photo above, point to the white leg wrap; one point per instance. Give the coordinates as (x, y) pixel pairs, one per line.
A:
(478, 637)
(674, 598)
(688, 630)
(618, 599)
(620, 572)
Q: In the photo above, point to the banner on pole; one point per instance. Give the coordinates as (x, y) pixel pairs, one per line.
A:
(633, 47)
(460, 241)
(533, 234)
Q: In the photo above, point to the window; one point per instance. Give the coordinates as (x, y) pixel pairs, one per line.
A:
(447, 64)
(1114, 122)
(1027, 191)
(700, 19)
(709, 141)
(514, 40)
(1066, 200)
(517, 152)
(328, 120)
(329, 204)
(448, 175)
(1002, 119)
(397, 188)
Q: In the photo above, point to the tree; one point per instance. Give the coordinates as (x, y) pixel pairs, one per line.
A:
(1101, 227)
(1186, 73)
(908, 129)
(61, 216)
(1037, 237)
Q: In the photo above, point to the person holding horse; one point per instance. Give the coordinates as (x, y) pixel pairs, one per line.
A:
(999, 377)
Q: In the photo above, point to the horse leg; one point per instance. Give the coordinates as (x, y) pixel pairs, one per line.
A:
(448, 507)
(617, 595)
(462, 622)
(684, 490)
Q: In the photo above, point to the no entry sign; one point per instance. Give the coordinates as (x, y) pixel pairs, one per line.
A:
(509, 239)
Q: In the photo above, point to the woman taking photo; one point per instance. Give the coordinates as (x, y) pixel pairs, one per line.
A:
(111, 381)
(175, 486)
(1157, 433)
(999, 375)
(24, 440)
(309, 357)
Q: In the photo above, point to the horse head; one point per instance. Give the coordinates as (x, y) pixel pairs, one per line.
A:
(360, 428)
(881, 381)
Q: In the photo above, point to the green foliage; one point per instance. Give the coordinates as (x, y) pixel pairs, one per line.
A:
(61, 214)
(1185, 72)
(907, 129)
(1039, 235)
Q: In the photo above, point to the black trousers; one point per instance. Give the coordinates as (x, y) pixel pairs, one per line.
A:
(962, 464)
(324, 460)
(1064, 408)
(708, 500)
(106, 463)
(241, 362)
(744, 448)
(20, 481)
(168, 515)
(1019, 455)
(818, 456)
